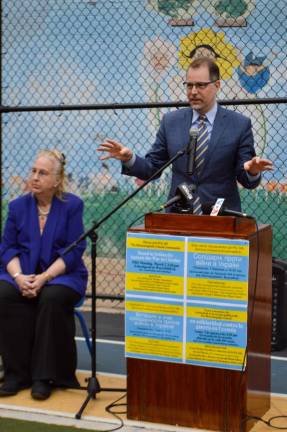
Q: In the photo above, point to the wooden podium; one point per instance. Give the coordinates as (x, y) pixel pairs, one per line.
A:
(206, 397)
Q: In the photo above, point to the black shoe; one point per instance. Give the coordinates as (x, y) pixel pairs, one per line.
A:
(11, 388)
(41, 390)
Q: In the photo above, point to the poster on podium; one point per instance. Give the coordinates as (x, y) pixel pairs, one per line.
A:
(187, 299)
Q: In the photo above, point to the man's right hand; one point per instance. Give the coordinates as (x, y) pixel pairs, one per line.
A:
(115, 150)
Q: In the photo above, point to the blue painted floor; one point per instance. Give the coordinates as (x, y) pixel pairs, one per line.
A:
(110, 352)
(110, 349)
(279, 372)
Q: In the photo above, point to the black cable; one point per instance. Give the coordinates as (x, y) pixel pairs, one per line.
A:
(254, 297)
(249, 321)
(267, 422)
(277, 417)
(256, 281)
(249, 328)
(142, 215)
(114, 404)
(135, 220)
(247, 418)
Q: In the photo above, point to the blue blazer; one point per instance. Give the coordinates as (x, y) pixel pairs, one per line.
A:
(231, 144)
(22, 238)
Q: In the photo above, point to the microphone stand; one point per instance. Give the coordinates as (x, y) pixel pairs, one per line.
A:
(93, 386)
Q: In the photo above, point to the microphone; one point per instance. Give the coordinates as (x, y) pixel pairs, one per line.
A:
(226, 212)
(193, 134)
(220, 210)
(184, 192)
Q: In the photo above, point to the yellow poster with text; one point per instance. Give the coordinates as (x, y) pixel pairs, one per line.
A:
(217, 288)
(215, 355)
(154, 283)
(155, 243)
(153, 348)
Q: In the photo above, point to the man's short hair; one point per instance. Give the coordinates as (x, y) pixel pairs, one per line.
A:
(213, 69)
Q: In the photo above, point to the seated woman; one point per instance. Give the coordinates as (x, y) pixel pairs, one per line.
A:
(39, 285)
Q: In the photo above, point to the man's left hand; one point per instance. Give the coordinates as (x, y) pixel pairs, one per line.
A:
(256, 165)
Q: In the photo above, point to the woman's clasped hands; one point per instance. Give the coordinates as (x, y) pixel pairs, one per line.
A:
(30, 285)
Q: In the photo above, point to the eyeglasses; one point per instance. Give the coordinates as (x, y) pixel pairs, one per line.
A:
(41, 173)
(198, 85)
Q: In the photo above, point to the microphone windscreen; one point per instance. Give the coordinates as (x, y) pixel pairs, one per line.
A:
(193, 132)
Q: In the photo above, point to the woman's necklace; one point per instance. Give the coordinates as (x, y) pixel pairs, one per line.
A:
(43, 213)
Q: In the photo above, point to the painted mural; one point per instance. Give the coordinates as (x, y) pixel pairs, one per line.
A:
(64, 52)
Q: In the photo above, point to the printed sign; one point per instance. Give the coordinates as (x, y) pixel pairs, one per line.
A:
(186, 299)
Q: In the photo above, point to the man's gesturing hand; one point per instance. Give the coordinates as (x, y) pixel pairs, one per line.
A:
(256, 165)
(114, 150)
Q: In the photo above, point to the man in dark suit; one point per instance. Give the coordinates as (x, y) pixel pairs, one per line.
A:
(230, 155)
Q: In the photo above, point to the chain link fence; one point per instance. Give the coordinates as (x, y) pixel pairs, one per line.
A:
(64, 53)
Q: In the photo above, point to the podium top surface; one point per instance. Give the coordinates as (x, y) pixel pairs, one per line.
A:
(187, 224)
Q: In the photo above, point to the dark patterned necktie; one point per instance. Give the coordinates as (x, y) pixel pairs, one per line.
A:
(200, 153)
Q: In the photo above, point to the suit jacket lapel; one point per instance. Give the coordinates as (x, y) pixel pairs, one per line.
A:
(34, 233)
(48, 236)
(185, 137)
(188, 116)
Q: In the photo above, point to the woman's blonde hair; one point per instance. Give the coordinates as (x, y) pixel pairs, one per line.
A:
(59, 160)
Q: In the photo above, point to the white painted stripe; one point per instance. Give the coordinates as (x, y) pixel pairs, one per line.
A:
(43, 414)
(279, 358)
(279, 395)
(104, 341)
(99, 374)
